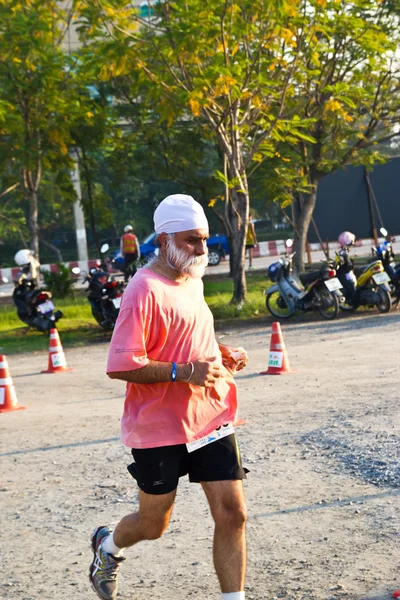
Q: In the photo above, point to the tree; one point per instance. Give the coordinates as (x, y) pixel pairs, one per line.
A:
(348, 92)
(37, 87)
(224, 63)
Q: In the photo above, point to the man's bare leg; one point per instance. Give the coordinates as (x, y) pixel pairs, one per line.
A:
(228, 508)
(149, 523)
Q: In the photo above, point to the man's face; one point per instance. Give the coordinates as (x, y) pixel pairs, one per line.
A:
(186, 252)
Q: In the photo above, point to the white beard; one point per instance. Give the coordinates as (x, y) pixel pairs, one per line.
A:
(185, 264)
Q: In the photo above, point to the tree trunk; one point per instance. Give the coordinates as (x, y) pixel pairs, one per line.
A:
(34, 228)
(238, 273)
(303, 223)
(33, 222)
(239, 220)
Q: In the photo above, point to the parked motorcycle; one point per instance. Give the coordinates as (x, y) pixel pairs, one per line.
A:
(370, 289)
(287, 296)
(34, 305)
(384, 252)
(104, 293)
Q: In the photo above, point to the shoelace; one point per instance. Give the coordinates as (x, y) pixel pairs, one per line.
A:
(110, 569)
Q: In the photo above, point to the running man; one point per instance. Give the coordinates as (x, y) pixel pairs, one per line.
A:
(180, 396)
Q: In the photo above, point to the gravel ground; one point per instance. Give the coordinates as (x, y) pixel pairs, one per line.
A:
(322, 446)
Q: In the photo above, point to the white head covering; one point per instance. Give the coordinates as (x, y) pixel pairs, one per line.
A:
(179, 212)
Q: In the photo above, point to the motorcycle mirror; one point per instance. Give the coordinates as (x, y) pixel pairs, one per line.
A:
(104, 248)
(4, 280)
(383, 231)
(76, 270)
(289, 243)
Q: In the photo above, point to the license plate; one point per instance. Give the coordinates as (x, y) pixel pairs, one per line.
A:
(381, 277)
(117, 302)
(46, 307)
(333, 284)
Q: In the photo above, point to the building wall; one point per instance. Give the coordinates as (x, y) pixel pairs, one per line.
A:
(342, 202)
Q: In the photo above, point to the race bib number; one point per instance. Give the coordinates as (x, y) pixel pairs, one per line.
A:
(217, 434)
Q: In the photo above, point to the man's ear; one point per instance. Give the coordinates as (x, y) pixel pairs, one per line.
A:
(162, 239)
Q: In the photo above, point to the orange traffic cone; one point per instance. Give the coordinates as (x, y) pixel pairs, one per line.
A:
(57, 362)
(8, 397)
(278, 362)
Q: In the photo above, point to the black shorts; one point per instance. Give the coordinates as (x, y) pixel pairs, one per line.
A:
(157, 470)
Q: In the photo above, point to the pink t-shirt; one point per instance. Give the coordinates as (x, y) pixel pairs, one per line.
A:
(168, 321)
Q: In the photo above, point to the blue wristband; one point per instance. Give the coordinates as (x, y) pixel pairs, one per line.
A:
(173, 373)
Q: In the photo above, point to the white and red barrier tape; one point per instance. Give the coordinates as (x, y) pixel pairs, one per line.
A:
(84, 265)
(278, 247)
(274, 248)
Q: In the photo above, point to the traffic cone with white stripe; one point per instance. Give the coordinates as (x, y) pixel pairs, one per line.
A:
(57, 362)
(8, 397)
(278, 361)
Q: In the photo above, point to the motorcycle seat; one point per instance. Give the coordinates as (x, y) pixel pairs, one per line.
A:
(309, 276)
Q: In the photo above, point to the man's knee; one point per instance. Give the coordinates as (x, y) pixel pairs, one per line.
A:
(233, 516)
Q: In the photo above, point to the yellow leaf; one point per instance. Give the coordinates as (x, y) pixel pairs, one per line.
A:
(332, 105)
(212, 202)
(347, 117)
(195, 107)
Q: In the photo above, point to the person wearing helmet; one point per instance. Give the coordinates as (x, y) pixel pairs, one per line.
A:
(130, 251)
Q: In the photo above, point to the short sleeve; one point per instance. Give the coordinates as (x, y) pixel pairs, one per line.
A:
(128, 344)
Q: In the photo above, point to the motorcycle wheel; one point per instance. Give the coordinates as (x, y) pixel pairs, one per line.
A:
(385, 303)
(277, 306)
(329, 304)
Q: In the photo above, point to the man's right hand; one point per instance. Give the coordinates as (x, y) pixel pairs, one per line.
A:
(206, 372)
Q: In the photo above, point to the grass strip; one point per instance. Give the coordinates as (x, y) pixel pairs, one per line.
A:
(78, 327)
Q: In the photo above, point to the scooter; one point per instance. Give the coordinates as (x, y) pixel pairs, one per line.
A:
(104, 293)
(370, 289)
(34, 305)
(384, 252)
(288, 296)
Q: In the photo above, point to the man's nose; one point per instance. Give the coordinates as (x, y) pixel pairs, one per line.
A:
(201, 247)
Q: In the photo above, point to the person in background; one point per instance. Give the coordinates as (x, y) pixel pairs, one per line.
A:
(181, 402)
(130, 250)
(251, 240)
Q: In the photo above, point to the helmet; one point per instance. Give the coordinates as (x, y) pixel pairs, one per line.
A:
(347, 238)
(273, 271)
(23, 257)
(128, 228)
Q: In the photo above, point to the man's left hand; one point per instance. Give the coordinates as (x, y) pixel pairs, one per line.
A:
(234, 359)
